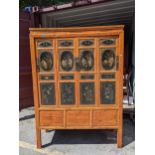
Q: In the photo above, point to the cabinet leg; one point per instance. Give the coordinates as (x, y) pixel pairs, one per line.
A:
(38, 138)
(119, 138)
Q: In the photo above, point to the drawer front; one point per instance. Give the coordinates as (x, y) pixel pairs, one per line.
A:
(51, 118)
(77, 118)
(104, 118)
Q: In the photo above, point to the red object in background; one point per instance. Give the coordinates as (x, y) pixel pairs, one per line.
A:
(26, 20)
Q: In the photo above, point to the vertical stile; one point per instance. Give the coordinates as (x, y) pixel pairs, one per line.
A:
(77, 83)
(97, 72)
(75, 72)
(55, 52)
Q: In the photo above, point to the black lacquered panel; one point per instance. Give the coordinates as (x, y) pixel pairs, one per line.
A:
(47, 77)
(66, 60)
(107, 41)
(107, 92)
(46, 61)
(87, 76)
(67, 93)
(108, 59)
(67, 77)
(108, 76)
(66, 43)
(47, 93)
(87, 60)
(87, 93)
(44, 43)
(86, 42)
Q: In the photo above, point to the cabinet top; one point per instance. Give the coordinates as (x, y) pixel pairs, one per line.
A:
(113, 27)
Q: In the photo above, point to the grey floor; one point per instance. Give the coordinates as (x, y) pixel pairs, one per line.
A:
(73, 142)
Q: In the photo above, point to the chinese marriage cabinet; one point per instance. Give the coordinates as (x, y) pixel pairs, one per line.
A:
(78, 78)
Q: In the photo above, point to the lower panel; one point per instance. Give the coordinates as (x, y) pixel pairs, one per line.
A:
(77, 118)
(104, 118)
(47, 93)
(52, 118)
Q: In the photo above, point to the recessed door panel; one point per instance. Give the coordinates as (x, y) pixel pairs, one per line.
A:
(87, 93)
(67, 93)
(107, 92)
(47, 91)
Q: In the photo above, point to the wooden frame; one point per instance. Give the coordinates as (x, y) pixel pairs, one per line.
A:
(78, 116)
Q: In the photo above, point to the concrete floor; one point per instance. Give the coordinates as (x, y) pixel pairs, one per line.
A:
(73, 142)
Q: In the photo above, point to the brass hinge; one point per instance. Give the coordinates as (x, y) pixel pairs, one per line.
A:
(117, 62)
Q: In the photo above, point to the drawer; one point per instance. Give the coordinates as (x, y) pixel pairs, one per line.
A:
(104, 118)
(77, 118)
(51, 118)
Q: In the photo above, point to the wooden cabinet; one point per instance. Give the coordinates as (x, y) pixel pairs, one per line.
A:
(78, 78)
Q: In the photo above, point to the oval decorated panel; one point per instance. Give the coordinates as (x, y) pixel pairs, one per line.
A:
(87, 60)
(67, 60)
(108, 59)
(46, 61)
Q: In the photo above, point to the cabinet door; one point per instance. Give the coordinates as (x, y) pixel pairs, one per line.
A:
(46, 71)
(66, 71)
(87, 71)
(108, 73)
